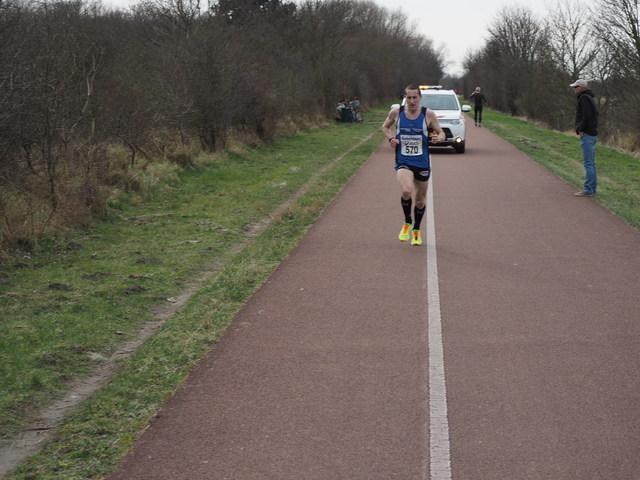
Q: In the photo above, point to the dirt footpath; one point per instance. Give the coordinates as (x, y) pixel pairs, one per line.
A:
(324, 373)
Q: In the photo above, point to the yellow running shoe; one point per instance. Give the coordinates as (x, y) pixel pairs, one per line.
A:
(404, 233)
(416, 238)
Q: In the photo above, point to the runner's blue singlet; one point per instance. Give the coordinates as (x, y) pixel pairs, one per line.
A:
(414, 140)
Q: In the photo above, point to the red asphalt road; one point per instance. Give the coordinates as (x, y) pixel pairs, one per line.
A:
(323, 374)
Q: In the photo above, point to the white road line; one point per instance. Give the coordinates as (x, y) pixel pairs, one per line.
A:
(439, 449)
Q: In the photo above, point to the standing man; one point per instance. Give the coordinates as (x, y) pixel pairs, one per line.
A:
(587, 129)
(479, 100)
(413, 167)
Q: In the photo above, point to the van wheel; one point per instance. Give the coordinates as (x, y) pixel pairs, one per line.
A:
(459, 147)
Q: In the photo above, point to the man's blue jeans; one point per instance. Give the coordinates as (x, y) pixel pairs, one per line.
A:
(588, 145)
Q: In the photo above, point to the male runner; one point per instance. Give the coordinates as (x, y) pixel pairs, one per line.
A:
(413, 168)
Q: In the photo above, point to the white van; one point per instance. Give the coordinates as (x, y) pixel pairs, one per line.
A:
(447, 108)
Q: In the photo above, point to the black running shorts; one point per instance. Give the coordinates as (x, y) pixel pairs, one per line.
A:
(421, 174)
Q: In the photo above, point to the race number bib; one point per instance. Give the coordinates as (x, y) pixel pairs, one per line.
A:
(411, 145)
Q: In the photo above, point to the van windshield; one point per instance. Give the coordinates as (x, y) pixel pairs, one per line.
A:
(439, 102)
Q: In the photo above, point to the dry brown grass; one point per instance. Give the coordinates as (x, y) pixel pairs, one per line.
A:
(37, 203)
(624, 142)
(89, 176)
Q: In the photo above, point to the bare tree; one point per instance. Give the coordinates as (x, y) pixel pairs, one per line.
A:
(325, 31)
(516, 52)
(618, 25)
(571, 41)
(50, 115)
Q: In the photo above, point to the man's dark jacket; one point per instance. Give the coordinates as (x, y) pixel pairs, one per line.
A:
(587, 114)
(479, 98)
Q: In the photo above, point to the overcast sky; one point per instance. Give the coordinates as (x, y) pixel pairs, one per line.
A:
(455, 27)
(459, 26)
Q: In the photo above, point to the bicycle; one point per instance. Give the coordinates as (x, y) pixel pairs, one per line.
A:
(350, 112)
(356, 114)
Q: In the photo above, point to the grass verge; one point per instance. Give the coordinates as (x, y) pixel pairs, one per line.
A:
(618, 172)
(74, 303)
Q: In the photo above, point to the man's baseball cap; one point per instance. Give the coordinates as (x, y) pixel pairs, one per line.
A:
(579, 83)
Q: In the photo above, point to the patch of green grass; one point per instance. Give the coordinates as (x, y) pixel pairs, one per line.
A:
(108, 280)
(618, 172)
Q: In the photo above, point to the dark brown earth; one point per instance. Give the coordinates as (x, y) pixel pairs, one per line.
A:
(323, 374)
